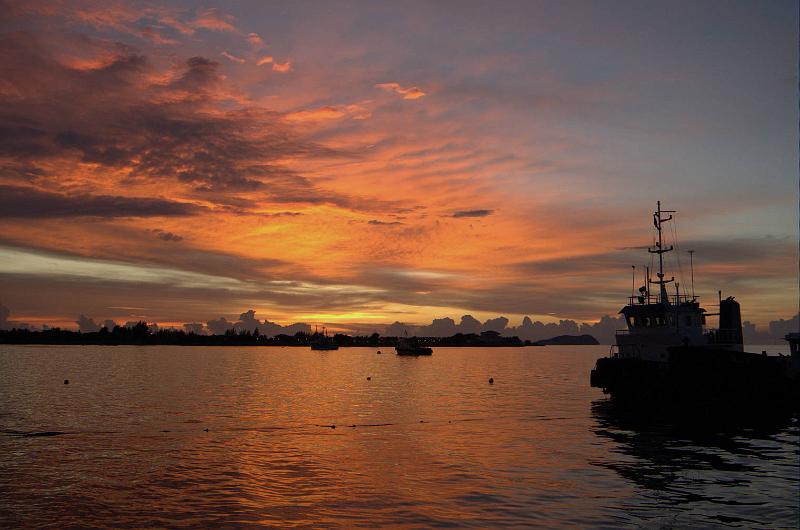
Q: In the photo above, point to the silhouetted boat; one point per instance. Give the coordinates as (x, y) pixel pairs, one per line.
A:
(322, 341)
(667, 354)
(411, 346)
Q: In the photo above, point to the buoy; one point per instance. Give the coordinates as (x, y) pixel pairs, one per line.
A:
(66, 381)
(379, 352)
(491, 380)
(369, 378)
(205, 430)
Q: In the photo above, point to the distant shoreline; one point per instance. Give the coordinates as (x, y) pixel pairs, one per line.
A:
(139, 335)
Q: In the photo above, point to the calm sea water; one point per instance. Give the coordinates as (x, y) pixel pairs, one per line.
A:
(198, 437)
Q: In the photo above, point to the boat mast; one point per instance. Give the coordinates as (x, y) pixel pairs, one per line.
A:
(660, 250)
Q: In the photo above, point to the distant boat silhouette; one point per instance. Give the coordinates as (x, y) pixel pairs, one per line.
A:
(410, 346)
(323, 341)
(667, 355)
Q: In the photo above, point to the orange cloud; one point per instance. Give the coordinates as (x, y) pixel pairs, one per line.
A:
(321, 210)
(282, 67)
(407, 93)
(322, 113)
(129, 19)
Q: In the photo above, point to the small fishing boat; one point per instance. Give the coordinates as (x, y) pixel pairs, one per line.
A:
(411, 346)
(323, 342)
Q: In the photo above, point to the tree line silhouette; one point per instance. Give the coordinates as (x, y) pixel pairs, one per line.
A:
(141, 334)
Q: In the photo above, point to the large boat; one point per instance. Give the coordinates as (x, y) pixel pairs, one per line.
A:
(668, 354)
(322, 341)
(411, 346)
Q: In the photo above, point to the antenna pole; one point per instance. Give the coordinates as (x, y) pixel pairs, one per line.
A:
(633, 282)
(691, 267)
(660, 255)
(658, 220)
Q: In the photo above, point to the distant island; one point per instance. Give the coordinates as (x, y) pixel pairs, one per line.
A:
(568, 340)
(141, 334)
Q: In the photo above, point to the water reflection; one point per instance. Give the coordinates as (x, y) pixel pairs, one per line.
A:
(733, 473)
(167, 437)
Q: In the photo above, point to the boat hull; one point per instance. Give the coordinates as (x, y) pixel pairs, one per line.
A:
(704, 378)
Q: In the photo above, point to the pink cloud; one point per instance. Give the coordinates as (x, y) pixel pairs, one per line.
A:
(267, 59)
(212, 19)
(407, 93)
(232, 57)
(255, 39)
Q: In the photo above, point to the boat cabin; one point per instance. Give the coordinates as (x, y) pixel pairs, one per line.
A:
(657, 321)
(654, 327)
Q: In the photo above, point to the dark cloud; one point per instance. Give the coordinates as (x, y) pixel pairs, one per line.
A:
(603, 330)
(169, 236)
(87, 324)
(4, 314)
(122, 115)
(5, 323)
(282, 214)
(780, 328)
(195, 327)
(248, 322)
(166, 236)
(24, 202)
(740, 251)
(378, 222)
(472, 213)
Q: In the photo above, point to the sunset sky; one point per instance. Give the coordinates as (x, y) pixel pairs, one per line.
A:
(365, 162)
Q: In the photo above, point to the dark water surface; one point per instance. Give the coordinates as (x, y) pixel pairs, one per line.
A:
(427, 442)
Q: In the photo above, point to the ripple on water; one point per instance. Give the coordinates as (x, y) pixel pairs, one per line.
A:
(162, 436)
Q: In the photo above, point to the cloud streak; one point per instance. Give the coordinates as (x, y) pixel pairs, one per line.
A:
(472, 213)
(30, 203)
(233, 58)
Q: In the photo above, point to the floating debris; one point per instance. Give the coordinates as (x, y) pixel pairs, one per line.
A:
(66, 381)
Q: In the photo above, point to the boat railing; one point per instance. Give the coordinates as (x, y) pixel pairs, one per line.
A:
(672, 299)
(622, 332)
